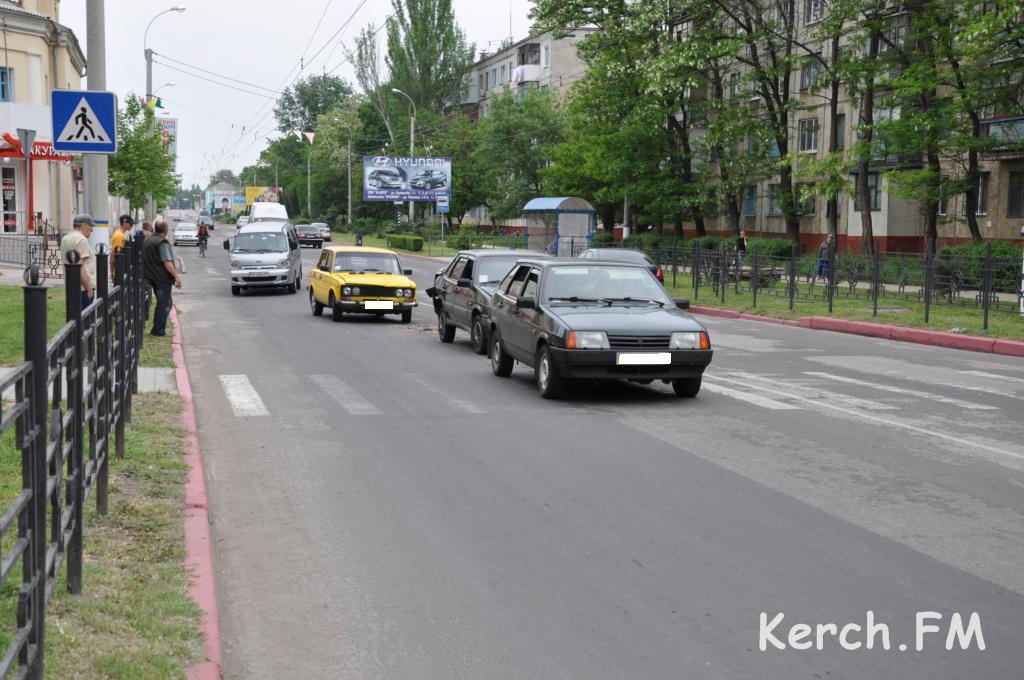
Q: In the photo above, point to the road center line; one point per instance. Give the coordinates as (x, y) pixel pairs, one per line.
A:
(245, 400)
(342, 393)
(754, 399)
(902, 390)
(885, 421)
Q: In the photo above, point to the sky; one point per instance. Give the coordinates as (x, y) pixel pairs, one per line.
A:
(220, 127)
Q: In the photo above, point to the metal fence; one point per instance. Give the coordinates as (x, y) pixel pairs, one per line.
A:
(68, 404)
(41, 248)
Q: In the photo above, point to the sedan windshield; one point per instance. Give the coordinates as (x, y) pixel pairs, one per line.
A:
(604, 283)
(491, 270)
(261, 242)
(367, 262)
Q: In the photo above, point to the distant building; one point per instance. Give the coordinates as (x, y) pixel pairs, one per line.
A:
(39, 54)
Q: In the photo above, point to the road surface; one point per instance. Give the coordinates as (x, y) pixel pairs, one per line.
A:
(384, 507)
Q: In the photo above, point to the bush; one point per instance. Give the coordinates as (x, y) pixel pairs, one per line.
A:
(603, 238)
(969, 260)
(770, 247)
(405, 242)
(464, 238)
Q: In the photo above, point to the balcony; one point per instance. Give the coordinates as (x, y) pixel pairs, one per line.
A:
(1007, 134)
(528, 73)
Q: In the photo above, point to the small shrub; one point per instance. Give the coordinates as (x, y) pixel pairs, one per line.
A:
(603, 238)
(405, 242)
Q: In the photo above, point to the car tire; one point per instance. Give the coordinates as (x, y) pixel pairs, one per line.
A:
(445, 331)
(298, 281)
(236, 290)
(293, 287)
(314, 304)
(686, 387)
(501, 362)
(407, 316)
(478, 335)
(336, 311)
(550, 383)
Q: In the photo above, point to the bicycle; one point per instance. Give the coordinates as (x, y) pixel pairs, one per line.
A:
(202, 247)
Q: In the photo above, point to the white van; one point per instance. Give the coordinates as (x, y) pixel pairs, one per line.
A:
(264, 210)
(265, 255)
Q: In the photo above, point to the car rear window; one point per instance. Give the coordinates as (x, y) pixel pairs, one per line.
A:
(631, 256)
(493, 269)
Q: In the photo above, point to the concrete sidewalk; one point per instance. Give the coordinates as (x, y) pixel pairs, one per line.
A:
(150, 380)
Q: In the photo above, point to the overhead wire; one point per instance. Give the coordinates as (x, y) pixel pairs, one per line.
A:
(215, 82)
(214, 73)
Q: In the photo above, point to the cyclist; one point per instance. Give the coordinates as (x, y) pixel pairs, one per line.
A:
(204, 236)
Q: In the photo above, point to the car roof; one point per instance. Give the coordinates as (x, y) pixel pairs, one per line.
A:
(486, 252)
(359, 249)
(574, 262)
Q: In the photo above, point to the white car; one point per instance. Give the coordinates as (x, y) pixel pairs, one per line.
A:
(186, 233)
(324, 230)
(243, 220)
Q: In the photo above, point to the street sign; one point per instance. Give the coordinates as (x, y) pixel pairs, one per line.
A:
(442, 205)
(84, 121)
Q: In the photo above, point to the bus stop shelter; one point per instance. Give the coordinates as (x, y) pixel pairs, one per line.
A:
(561, 225)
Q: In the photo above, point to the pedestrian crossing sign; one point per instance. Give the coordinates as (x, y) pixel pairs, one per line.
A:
(84, 121)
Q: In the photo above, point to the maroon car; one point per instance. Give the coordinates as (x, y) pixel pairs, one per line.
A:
(309, 236)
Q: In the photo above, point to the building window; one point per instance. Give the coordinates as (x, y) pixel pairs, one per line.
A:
(773, 148)
(494, 77)
(734, 84)
(806, 200)
(814, 10)
(943, 209)
(6, 84)
(807, 135)
(773, 200)
(482, 83)
(840, 132)
(874, 194)
(547, 56)
(809, 73)
(982, 208)
(750, 200)
(1015, 201)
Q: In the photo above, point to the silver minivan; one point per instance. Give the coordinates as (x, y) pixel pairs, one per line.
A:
(265, 255)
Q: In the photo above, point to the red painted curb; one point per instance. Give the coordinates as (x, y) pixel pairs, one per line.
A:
(767, 319)
(1008, 347)
(198, 546)
(874, 330)
(714, 311)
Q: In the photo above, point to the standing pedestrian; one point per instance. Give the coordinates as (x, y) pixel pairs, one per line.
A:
(741, 249)
(78, 241)
(147, 229)
(120, 236)
(158, 266)
(826, 251)
(139, 238)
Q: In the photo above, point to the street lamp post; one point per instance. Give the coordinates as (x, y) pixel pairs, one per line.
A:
(149, 53)
(412, 140)
(162, 87)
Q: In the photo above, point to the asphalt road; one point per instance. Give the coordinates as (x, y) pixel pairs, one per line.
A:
(384, 507)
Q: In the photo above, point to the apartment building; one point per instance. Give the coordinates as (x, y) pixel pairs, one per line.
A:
(37, 54)
(897, 223)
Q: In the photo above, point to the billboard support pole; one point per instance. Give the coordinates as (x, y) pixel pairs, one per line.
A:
(350, 182)
(412, 143)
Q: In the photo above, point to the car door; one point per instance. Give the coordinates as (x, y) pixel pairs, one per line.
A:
(462, 300)
(526, 327)
(506, 314)
(448, 291)
(320, 277)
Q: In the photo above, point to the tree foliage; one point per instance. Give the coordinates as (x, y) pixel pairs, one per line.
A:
(301, 105)
(139, 168)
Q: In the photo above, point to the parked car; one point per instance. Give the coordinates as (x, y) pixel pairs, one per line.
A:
(429, 179)
(324, 230)
(462, 293)
(309, 236)
(624, 255)
(186, 233)
(242, 220)
(358, 280)
(570, 319)
(386, 178)
(265, 255)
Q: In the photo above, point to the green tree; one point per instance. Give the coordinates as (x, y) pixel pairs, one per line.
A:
(139, 168)
(224, 175)
(301, 105)
(458, 138)
(427, 55)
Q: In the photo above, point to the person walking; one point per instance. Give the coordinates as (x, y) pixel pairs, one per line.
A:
(826, 251)
(158, 267)
(78, 241)
(119, 238)
(741, 249)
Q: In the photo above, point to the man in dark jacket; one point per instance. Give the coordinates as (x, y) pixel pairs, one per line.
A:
(826, 251)
(158, 267)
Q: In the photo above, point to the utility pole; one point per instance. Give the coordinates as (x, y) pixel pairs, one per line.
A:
(412, 143)
(350, 183)
(309, 186)
(94, 166)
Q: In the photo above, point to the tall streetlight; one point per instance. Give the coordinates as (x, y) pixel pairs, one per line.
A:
(162, 87)
(149, 53)
(412, 139)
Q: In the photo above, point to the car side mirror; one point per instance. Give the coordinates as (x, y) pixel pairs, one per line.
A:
(324, 268)
(464, 283)
(528, 302)
(407, 272)
(227, 245)
(293, 245)
(683, 304)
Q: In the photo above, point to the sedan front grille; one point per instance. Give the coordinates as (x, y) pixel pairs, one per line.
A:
(375, 291)
(638, 341)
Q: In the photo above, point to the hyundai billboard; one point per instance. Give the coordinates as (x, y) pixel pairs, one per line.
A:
(404, 178)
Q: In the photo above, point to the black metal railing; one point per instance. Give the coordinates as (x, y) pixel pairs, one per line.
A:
(68, 404)
(41, 247)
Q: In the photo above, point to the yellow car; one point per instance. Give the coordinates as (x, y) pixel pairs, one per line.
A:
(354, 279)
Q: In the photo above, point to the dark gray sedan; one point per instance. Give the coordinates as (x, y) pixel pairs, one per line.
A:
(570, 319)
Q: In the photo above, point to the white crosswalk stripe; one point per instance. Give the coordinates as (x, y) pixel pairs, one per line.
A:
(902, 390)
(754, 399)
(995, 376)
(348, 398)
(759, 382)
(245, 400)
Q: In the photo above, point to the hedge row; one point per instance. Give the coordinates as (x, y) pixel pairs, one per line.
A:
(405, 242)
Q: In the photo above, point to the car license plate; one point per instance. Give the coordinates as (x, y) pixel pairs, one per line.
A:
(652, 359)
(379, 304)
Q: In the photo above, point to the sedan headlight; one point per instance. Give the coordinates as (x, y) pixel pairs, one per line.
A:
(587, 340)
(235, 264)
(690, 340)
(346, 290)
(283, 263)
(409, 292)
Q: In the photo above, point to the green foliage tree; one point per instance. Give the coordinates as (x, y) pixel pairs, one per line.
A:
(459, 137)
(224, 175)
(140, 168)
(301, 105)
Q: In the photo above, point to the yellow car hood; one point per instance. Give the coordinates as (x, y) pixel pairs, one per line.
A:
(389, 280)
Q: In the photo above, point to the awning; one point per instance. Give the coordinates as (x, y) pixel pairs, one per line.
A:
(10, 147)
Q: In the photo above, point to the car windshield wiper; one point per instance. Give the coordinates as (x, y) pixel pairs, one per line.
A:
(611, 300)
(573, 299)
